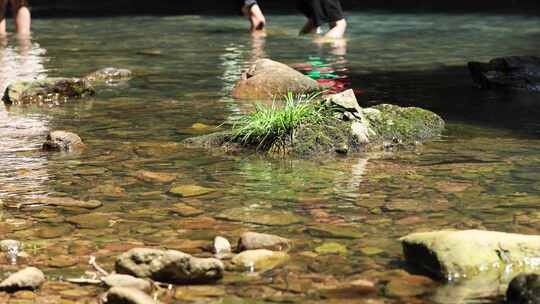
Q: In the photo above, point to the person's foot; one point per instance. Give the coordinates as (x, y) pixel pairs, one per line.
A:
(337, 29)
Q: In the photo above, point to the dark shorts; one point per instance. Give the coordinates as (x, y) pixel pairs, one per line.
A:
(321, 11)
(15, 5)
(242, 3)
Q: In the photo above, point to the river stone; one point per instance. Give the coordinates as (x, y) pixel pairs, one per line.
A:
(351, 290)
(124, 280)
(260, 260)
(334, 231)
(524, 289)
(347, 101)
(108, 74)
(155, 177)
(267, 78)
(67, 202)
(361, 132)
(54, 231)
(90, 220)
(6, 245)
(454, 254)
(28, 278)
(190, 190)
(254, 240)
(46, 91)
(126, 295)
(222, 246)
(169, 266)
(185, 210)
(331, 248)
(62, 141)
(261, 217)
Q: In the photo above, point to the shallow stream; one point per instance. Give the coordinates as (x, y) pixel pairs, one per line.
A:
(483, 173)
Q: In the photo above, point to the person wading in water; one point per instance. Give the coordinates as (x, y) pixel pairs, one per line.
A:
(320, 12)
(252, 10)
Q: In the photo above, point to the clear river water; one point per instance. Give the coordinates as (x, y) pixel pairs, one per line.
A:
(483, 173)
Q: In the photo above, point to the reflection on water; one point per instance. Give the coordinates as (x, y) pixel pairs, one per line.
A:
(23, 171)
(476, 176)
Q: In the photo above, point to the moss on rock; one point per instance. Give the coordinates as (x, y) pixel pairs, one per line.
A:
(47, 91)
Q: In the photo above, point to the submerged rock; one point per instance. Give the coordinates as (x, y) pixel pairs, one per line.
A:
(524, 289)
(155, 177)
(459, 254)
(260, 260)
(124, 280)
(29, 278)
(62, 141)
(126, 295)
(517, 72)
(267, 78)
(108, 74)
(190, 190)
(169, 266)
(47, 91)
(261, 217)
(254, 240)
(62, 202)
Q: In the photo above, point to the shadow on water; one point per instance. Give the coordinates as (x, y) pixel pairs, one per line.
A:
(450, 92)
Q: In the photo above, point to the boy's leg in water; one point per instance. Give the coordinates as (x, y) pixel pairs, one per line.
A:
(337, 29)
(3, 4)
(22, 16)
(309, 27)
(256, 18)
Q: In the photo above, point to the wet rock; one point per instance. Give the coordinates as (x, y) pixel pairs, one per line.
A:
(108, 75)
(331, 248)
(524, 289)
(222, 246)
(185, 210)
(190, 190)
(352, 290)
(62, 261)
(408, 286)
(124, 280)
(126, 295)
(261, 217)
(454, 254)
(517, 72)
(335, 231)
(169, 266)
(156, 177)
(199, 293)
(46, 91)
(267, 78)
(361, 132)
(90, 220)
(259, 260)
(52, 232)
(62, 141)
(29, 278)
(66, 202)
(254, 240)
(6, 245)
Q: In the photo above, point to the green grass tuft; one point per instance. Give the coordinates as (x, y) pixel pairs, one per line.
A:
(274, 123)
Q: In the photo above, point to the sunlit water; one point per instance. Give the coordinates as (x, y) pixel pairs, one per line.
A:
(483, 173)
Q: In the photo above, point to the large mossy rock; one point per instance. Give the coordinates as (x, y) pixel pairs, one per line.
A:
(516, 72)
(267, 78)
(465, 254)
(47, 91)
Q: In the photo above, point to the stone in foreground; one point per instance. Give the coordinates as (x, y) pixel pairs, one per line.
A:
(169, 266)
(464, 254)
(524, 289)
(259, 260)
(516, 72)
(47, 91)
(27, 279)
(254, 240)
(126, 295)
(267, 78)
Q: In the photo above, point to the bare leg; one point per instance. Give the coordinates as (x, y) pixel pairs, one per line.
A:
(337, 29)
(309, 28)
(256, 17)
(22, 21)
(3, 27)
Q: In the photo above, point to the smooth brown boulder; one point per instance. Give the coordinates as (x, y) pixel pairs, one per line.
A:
(267, 78)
